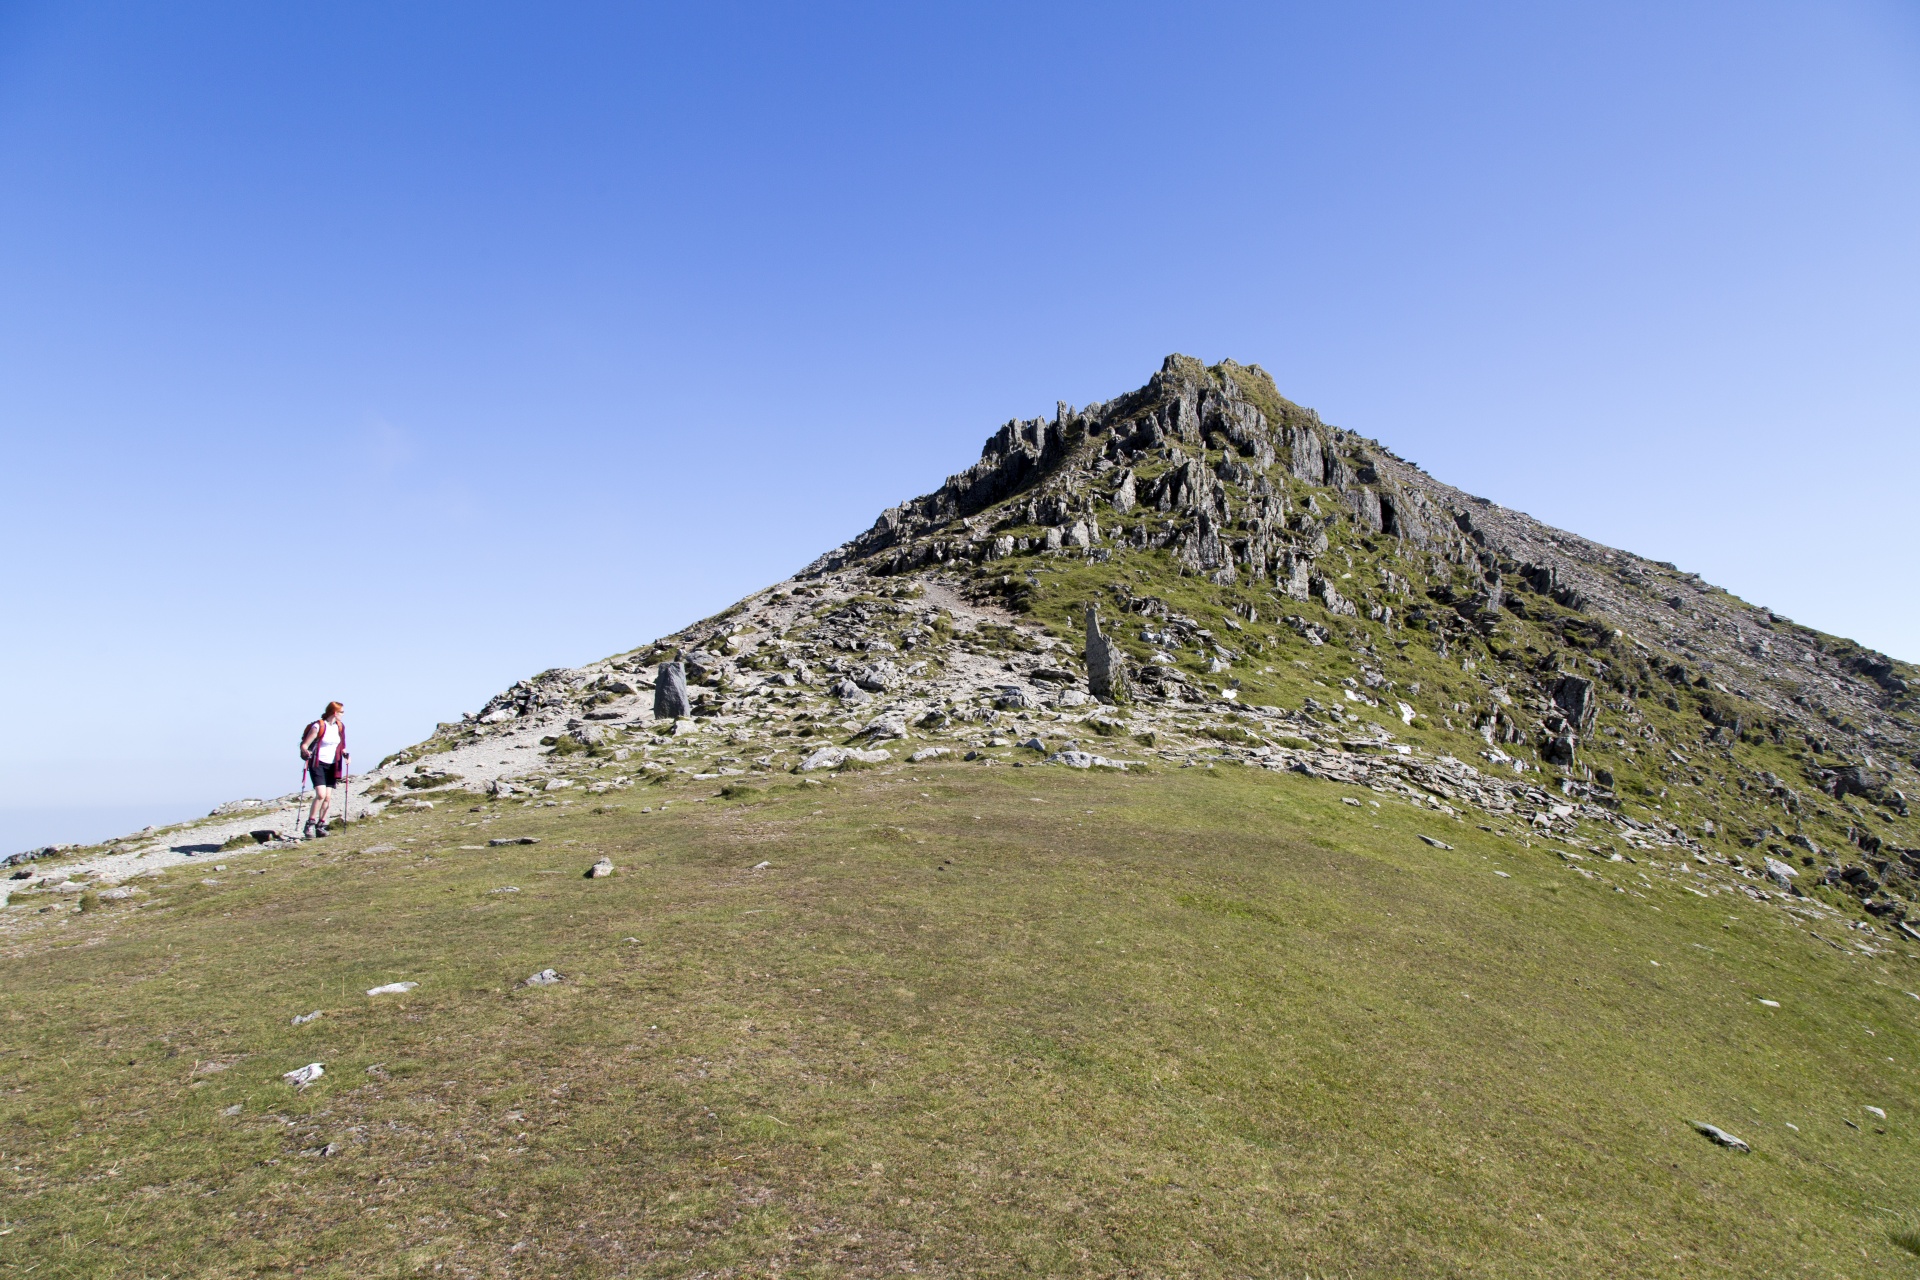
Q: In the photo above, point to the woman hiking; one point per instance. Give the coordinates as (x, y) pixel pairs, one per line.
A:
(324, 747)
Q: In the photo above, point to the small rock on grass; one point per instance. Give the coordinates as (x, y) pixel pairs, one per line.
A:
(301, 1019)
(1716, 1134)
(1438, 844)
(544, 978)
(929, 753)
(301, 1077)
(1350, 800)
(602, 868)
(834, 757)
(1083, 760)
(392, 989)
(495, 844)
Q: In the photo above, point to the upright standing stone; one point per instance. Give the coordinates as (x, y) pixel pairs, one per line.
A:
(1106, 665)
(670, 701)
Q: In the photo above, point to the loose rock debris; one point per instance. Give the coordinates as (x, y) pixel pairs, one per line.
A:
(392, 989)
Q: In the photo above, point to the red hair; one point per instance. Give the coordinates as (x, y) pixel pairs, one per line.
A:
(333, 708)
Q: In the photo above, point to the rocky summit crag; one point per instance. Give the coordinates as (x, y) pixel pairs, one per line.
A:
(1201, 573)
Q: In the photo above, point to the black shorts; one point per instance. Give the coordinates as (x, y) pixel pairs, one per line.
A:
(322, 773)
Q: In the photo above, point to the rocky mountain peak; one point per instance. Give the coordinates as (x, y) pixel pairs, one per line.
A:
(1201, 571)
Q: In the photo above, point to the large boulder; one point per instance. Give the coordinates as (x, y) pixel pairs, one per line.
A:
(848, 692)
(876, 677)
(1011, 697)
(888, 724)
(670, 701)
(587, 735)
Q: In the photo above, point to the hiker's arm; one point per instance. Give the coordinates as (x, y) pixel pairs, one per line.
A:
(306, 741)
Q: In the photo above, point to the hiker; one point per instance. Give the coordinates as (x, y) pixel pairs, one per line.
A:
(324, 747)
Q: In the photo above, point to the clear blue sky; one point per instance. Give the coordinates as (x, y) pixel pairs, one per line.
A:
(393, 352)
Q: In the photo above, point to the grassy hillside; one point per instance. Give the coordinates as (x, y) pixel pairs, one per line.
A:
(970, 1021)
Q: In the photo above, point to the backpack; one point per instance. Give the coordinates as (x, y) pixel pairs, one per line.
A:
(318, 729)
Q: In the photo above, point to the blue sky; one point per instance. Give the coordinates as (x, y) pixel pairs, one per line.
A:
(392, 352)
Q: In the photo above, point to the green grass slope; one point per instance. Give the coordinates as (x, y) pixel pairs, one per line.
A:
(970, 1021)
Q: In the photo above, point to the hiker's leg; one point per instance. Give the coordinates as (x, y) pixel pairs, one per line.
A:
(313, 807)
(322, 799)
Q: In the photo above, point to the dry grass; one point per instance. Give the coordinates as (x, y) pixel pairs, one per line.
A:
(970, 1022)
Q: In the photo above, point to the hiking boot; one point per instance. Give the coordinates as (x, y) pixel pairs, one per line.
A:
(307, 832)
(320, 830)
